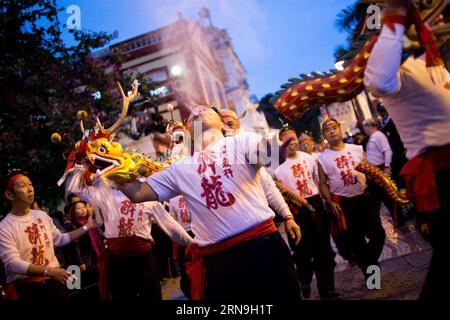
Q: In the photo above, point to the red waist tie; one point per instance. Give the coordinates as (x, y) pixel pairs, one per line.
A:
(338, 223)
(128, 246)
(118, 247)
(419, 174)
(196, 269)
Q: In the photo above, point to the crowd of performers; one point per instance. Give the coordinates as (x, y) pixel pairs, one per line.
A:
(223, 203)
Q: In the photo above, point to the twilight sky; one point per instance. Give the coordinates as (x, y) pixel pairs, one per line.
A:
(274, 39)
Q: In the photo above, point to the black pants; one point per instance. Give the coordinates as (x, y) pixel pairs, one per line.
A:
(258, 269)
(134, 277)
(314, 252)
(50, 290)
(381, 196)
(363, 221)
(437, 283)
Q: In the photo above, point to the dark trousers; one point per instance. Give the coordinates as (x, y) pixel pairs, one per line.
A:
(258, 269)
(50, 290)
(363, 221)
(185, 282)
(381, 196)
(437, 283)
(134, 277)
(314, 253)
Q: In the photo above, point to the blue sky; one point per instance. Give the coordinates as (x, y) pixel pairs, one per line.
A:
(274, 39)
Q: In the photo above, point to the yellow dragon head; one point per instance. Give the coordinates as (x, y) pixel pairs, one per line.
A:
(101, 156)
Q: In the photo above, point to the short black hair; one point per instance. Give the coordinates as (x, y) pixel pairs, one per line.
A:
(70, 197)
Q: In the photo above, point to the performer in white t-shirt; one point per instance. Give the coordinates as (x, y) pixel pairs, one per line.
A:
(27, 241)
(348, 198)
(242, 251)
(420, 108)
(128, 233)
(314, 254)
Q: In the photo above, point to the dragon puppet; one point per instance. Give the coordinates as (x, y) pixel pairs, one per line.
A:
(427, 30)
(100, 155)
(323, 88)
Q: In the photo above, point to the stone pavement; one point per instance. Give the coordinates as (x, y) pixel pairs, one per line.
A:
(404, 263)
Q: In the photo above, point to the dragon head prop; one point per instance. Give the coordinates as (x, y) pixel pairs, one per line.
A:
(100, 155)
(322, 88)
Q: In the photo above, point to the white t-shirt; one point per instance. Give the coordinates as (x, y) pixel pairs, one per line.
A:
(339, 167)
(378, 150)
(29, 239)
(121, 217)
(298, 174)
(273, 195)
(222, 190)
(419, 108)
(179, 211)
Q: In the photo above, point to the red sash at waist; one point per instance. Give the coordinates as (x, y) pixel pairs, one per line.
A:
(196, 269)
(419, 174)
(128, 246)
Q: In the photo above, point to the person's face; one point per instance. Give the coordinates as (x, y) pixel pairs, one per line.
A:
(332, 133)
(307, 146)
(367, 129)
(22, 192)
(231, 123)
(292, 147)
(89, 209)
(80, 210)
(208, 117)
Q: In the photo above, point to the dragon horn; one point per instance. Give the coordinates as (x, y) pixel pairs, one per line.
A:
(125, 103)
(82, 127)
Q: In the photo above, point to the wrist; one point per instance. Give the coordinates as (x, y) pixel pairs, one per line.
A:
(289, 217)
(85, 228)
(45, 272)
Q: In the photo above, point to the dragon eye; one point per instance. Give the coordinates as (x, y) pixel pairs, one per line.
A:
(101, 149)
(427, 3)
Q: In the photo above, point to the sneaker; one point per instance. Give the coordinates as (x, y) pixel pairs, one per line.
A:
(306, 292)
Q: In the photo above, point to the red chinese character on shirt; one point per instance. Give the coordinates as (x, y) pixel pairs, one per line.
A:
(125, 227)
(228, 172)
(206, 159)
(298, 171)
(140, 213)
(214, 195)
(348, 178)
(33, 233)
(351, 159)
(38, 256)
(303, 188)
(127, 208)
(342, 162)
(185, 217)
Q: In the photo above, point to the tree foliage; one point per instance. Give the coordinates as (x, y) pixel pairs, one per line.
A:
(43, 83)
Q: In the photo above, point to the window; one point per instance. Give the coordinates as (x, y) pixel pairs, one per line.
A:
(221, 96)
(158, 75)
(208, 86)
